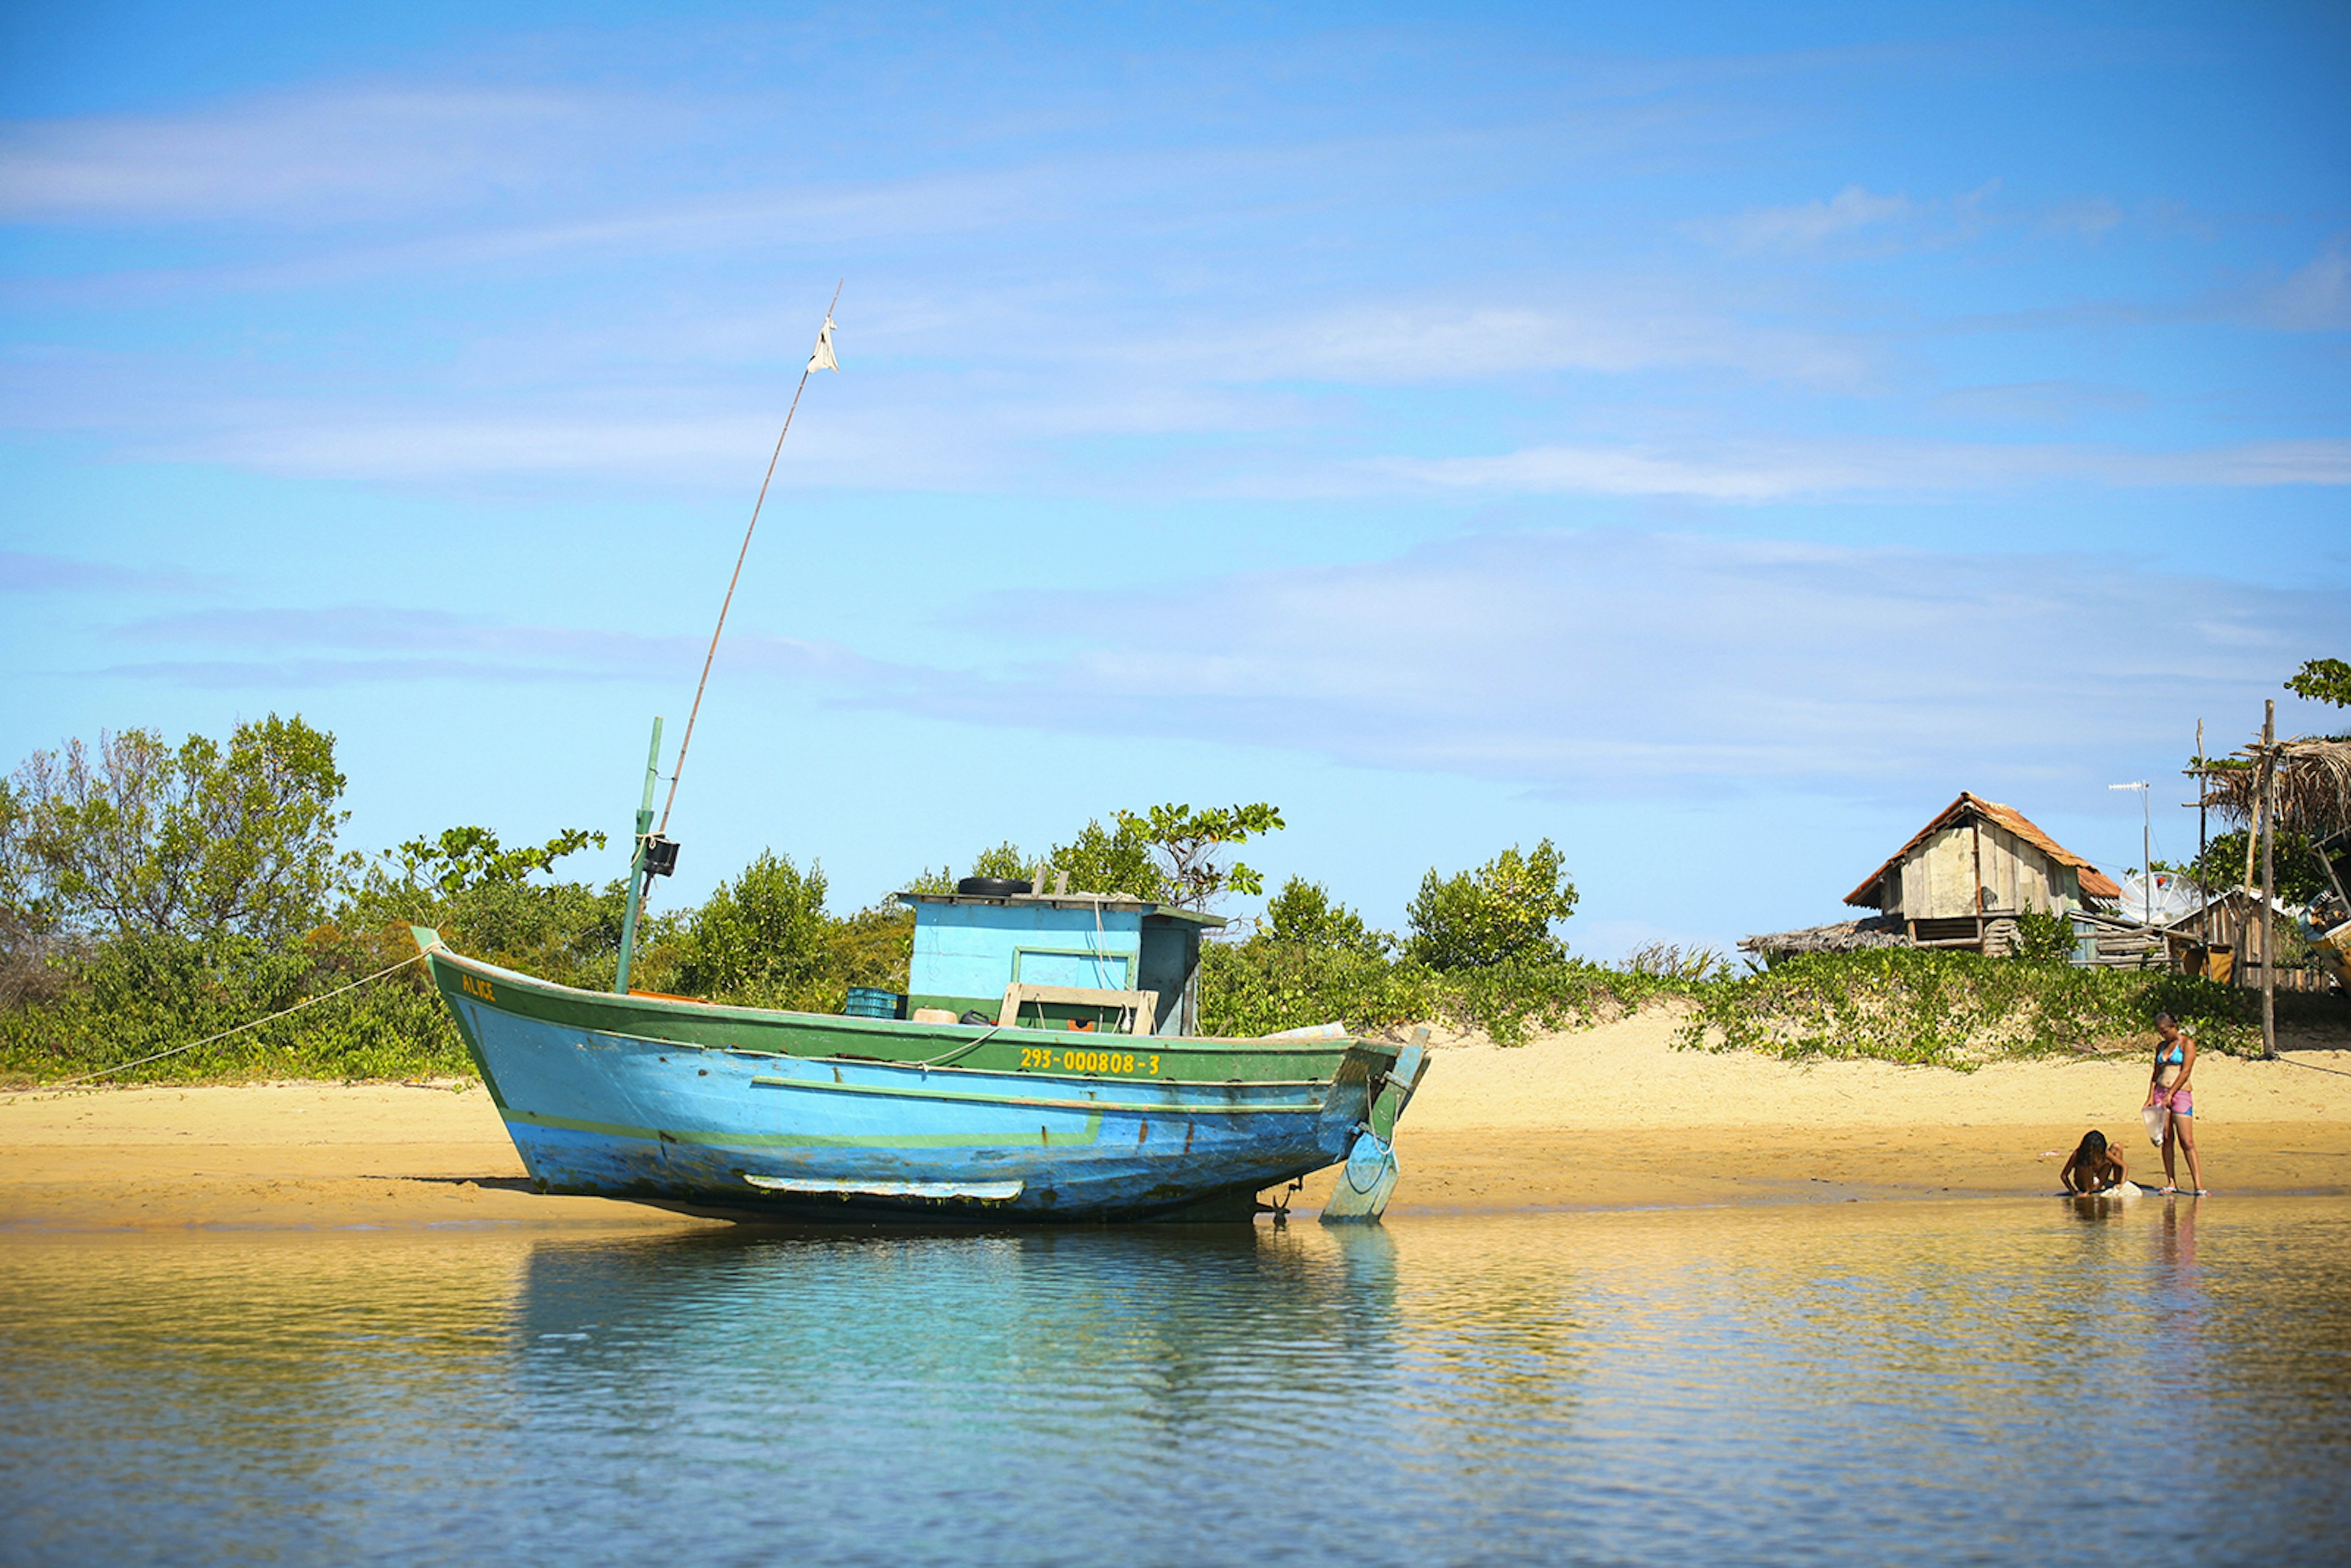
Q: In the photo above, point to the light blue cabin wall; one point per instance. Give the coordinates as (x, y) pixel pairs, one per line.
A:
(975, 950)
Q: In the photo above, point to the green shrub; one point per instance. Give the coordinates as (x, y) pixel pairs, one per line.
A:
(1502, 911)
(1304, 914)
(1261, 986)
(1955, 1009)
(2044, 938)
(758, 940)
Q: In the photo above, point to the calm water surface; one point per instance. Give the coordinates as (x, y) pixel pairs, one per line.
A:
(2013, 1381)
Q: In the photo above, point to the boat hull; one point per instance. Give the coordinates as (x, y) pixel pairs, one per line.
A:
(721, 1118)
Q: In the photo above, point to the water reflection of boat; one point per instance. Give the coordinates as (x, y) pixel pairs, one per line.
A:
(1079, 1099)
(822, 1318)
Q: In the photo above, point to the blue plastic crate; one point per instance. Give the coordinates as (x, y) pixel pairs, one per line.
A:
(865, 1002)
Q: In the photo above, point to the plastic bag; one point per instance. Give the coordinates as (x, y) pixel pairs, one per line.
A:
(2157, 1118)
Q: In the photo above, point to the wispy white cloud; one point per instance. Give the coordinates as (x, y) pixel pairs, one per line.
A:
(27, 573)
(2315, 297)
(351, 151)
(1804, 226)
(273, 647)
(1599, 663)
(2089, 218)
(1602, 325)
(1770, 471)
(1575, 664)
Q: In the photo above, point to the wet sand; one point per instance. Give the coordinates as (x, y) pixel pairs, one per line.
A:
(1606, 1117)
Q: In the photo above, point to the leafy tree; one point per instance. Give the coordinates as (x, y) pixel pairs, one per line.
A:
(464, 858)
(481, 896)
(16, 873)
(199, 842)
(2223, 865)
(870, 947)
(1117, 859)
(2324, 681)
(1502, 911)
(761, 940)
(1304, 912)
(1186, 844)
(1004, 860)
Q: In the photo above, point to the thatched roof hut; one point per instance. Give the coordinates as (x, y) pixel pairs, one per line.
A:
(2314, 785)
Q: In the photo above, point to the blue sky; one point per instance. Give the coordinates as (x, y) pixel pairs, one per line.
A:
(1709, 439)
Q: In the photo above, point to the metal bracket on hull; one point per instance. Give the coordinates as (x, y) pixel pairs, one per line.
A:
(972, 1191)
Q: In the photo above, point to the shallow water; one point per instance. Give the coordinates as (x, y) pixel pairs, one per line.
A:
(1928, 1383)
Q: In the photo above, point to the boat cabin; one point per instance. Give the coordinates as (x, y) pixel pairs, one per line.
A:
(1087, 961)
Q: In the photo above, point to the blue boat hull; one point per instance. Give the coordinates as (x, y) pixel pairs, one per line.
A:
(593, 1111)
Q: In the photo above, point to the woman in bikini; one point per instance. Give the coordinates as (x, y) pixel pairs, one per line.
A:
(2096, 1166)
(2175, 1061)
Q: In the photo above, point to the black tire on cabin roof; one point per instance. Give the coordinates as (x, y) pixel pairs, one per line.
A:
(992, 886)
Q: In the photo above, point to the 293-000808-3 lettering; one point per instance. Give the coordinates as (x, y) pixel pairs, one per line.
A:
(1089, 1061)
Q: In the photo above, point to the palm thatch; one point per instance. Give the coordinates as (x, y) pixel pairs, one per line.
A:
(2314, 785)
(1845, 937)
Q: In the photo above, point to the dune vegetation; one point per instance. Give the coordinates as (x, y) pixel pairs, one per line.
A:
(153, 896)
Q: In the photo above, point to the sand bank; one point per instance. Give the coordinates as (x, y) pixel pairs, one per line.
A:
(1603, 1117)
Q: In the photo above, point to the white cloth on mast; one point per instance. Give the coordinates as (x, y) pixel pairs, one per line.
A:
(822, 359)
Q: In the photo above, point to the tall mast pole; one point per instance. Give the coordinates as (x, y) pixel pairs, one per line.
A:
(725, 604)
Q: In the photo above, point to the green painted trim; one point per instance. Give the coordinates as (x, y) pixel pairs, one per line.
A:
(1152, 1108)
(756, 1031)
(1046, 1137)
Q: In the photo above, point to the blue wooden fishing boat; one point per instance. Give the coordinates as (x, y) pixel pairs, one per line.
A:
(1045, 1063)
(1075, 1092)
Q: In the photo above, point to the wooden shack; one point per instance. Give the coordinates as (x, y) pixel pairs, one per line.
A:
(1963, 879)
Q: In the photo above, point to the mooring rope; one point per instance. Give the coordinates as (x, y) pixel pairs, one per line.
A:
(208, 1040)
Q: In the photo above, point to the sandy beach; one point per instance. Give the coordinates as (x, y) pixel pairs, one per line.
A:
(1606, 1117)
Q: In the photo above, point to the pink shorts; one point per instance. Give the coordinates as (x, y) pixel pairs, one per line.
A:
(2182, 1102)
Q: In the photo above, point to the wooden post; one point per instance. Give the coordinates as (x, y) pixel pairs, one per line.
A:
(2269, 881)
(2203, 896)
(1975, 826)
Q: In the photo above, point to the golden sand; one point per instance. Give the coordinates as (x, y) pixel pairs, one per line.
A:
(1609, 1117)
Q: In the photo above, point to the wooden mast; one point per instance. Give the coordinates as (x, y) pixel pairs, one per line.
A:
(687, 739)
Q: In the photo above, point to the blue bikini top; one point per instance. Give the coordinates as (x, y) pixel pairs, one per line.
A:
(2178, 1054)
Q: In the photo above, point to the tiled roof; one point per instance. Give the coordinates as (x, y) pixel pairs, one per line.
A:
(2094, 884)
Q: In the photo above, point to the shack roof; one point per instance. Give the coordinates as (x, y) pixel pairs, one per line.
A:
(1085, 901)
(2094, 884)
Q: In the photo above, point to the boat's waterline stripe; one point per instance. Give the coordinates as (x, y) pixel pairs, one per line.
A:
(974, 1191)
(1138, 1107)
(1046, 1137)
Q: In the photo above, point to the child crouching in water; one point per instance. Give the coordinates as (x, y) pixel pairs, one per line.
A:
(2095, 1167)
